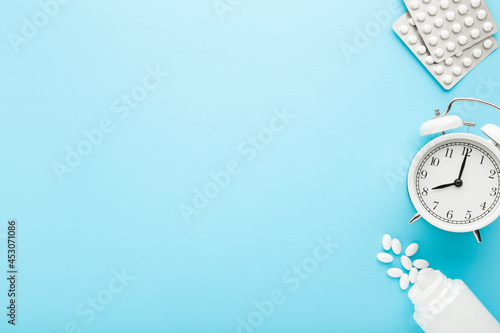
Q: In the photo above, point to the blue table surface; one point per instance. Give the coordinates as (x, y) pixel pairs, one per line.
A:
(220, 166)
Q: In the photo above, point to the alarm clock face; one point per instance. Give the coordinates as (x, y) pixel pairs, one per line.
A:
(454, 182)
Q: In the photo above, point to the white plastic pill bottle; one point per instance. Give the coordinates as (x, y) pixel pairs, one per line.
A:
(443, 305)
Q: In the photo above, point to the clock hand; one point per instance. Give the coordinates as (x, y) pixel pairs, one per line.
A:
(443, 186)
(462, 167)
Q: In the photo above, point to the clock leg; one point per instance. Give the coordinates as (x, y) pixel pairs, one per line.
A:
(414, 218)
(477, 235)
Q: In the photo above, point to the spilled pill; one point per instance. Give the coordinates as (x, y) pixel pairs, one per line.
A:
(404, 281)
(413, 275)
(411, 249)
(395, 272)
(386, 242)
(406, 262)
(396, 246)
(384, 257)
(421, 263)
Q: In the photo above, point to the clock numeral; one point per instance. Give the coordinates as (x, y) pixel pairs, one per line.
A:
(468, 215)
(492, 174)
(449, 153)
(425, 191)
(434, 161)
(494, 191)
(436, 204)
(467, 151)
(482, 159)
(423, 174)
(483, 205)
(449, 214)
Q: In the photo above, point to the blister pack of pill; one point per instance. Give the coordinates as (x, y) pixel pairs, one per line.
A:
(451, 26)
(452, 69)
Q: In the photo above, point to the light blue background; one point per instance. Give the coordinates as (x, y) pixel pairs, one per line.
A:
(356, 123)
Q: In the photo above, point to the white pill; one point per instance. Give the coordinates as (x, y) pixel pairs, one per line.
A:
(439, 70)
(445, 34)
(457, 71)
(406, 262)
(462, 40)
(449, 61)
(448, 79)
(411, 249)
(488, 44)
(475, 33)
(445, 4)
(481, 15)
(477, 53)
(467, 62)
(439, 52)
(463, 9)
(488, 27)
(438, 23)
(469, 21)
(404, 29)
(413, 40)
(450, 16)
(432, 10)
(433, 40)
(428, 29)
(386, 242)
(451, 46)
(394, 272)
(421, 17)
(456, 28)
(404, 281)
(415, 4)
(384, 257)
(413, 275)
(396, 246)
(420, 263)
(421, 50)
(429, 60)
(475, 3)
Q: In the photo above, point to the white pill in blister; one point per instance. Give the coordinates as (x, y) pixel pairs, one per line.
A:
(445, 34)
(396, 246)
(449, 61)
(477, 53)
(457, 71)
(439, 70)
(475, 33)
(463, 9)
(462, 40)
(448, 79)
(433, 40)
(421, 263)
(421, 17)
(421, 49)
(415, 4)
(451, 46)
(439, 53)
(487, 27)
(406, 262)
(394, 272)
(481, 15)
(404, 281)
(445, 4)
(404, 29)
(467, 62)
(475, 3)
(411, 249)
(413, 275)
(386, 242)
(456, 28)
(412, 40)
(427, 29)
(411, 22)
(469, 21)
(429, 60)
(438, 23)
(450, 16)
(488, 44)
(432, 11)
(384, 257)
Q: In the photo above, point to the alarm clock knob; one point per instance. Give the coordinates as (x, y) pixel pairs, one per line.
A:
(492, 132)
(440, 124)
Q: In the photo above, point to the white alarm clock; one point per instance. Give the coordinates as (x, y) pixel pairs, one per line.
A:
(454, 180)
